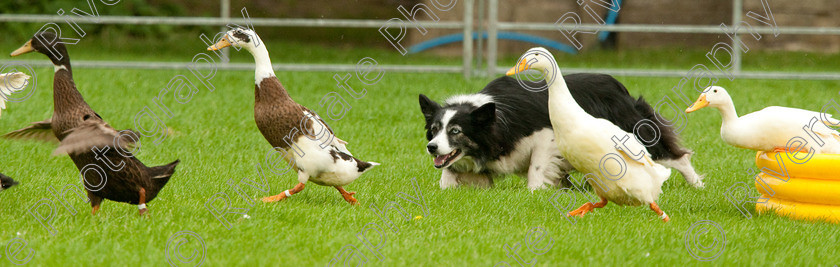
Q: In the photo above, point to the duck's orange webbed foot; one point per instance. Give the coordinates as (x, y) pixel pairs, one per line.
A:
(589, 206)
(347, 195)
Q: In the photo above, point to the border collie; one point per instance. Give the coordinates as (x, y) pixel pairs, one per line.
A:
(505, 129)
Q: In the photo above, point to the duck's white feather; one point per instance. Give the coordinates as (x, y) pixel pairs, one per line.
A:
(642, 179)
(585, 141)
(774, 127)
(10, 83)
(321, 166)
(824, 118)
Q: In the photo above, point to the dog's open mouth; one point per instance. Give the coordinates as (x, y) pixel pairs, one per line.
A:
(444, 160)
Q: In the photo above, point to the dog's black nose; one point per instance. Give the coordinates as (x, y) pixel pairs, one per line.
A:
(431, 147)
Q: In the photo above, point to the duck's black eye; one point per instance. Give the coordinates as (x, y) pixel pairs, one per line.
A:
(715, 91)
(86, 117)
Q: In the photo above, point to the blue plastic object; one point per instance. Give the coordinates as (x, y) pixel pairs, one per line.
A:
(458, 37)
(612, 16)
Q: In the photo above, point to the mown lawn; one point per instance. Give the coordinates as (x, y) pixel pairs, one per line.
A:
(218, 144)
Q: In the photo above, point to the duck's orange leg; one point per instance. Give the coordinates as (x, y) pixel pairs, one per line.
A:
(347, 195)
(662, 215)
(589, 206)
(142, 205)
(299, 187)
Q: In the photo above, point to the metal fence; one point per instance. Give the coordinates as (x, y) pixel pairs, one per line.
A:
(466, 26)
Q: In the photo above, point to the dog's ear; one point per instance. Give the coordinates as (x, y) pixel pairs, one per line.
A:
(485, 115)
(428, 107)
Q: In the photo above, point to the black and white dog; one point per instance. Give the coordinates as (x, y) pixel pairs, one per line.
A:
(505, 129)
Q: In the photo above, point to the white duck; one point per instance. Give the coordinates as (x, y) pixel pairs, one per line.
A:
(314, 150)
(10, 83)
(587, 143)
(771, 128)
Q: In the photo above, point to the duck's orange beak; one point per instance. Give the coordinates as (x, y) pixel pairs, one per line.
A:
(221, 44)
(520, 67)
(26, 48)
(700, 103)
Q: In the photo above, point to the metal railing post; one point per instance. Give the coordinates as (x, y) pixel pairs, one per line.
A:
(492, 36)
(225, 14)
(480, 41)
(468, 41)
(737, 8)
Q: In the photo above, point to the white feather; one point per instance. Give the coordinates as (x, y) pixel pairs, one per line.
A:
(10, 83)
(772, 127)
(585, 141)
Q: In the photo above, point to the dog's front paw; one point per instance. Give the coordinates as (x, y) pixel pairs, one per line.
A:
(448, 179)
(536, 186)
(448, 183)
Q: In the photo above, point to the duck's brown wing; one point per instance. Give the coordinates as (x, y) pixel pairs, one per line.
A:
(333, 140)
(95, 133)
(41, 131)
(315, 116)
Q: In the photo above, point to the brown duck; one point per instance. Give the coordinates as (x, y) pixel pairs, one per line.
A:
(317, 154)
(95, 147)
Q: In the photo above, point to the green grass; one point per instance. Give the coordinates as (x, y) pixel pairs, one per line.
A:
(215, 138)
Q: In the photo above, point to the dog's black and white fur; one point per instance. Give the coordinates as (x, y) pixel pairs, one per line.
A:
(505, 129)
